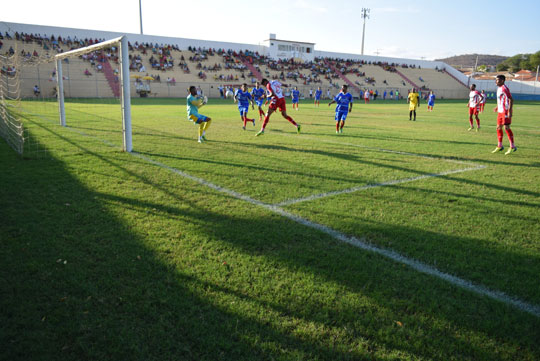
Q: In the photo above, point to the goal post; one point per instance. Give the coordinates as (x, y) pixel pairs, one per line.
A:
(125, 96)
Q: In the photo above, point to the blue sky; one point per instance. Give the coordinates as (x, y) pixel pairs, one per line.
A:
(412, 29)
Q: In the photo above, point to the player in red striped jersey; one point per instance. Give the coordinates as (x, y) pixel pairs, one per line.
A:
(475, 99)
(504, 110)
(277, 102)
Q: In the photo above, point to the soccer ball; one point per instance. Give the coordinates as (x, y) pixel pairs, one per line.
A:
(229, 94)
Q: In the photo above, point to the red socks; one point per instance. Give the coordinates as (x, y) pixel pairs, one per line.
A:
(266, 118)
(510, 135)
(291, 120)
(499, 137)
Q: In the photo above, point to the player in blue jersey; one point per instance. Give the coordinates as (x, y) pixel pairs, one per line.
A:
(344, 101)
(318, 94)
(295, 94)
(258, 94)
(243, 98)
(431, 101)
(193, 104)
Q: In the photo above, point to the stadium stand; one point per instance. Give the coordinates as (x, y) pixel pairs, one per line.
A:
(165, 70)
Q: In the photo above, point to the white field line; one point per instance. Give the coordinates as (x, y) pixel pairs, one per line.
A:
(362, 243)
(382, 184)
(369, 186)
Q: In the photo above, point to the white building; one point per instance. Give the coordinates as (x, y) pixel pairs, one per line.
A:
(286, 49)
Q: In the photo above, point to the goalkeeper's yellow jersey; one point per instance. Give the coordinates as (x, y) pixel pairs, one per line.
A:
(413, 98)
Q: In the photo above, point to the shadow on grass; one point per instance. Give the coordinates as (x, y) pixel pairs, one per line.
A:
(120, 273)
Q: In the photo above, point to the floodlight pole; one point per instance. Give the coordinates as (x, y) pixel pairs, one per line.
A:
(140, 14)
(364, 15)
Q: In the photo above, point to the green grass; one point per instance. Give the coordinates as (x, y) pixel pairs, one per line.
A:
(105, 256)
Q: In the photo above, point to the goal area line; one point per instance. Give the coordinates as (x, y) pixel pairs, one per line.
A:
(376, 185)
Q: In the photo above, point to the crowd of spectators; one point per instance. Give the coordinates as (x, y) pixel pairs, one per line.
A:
(232, 65)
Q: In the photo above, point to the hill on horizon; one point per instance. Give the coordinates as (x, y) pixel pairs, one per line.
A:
(468, 60)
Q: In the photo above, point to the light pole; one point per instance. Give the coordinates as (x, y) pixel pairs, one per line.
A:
(140, 14)
(364, 15)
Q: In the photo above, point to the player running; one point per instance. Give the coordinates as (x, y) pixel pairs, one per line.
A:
(414, 102)
(258, 94)
(243, 98)
(504, 109)
(366, 96)
(193, 105)
(318, 94)
(431, 101)
(344, 102)
(475, 99)
(295, 95)
(278, 101)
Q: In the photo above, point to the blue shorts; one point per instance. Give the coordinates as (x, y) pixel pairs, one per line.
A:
(341, 116)
(295, 101)
(198, 118)
(259, 102)
(243, 109)
(431, 104)
(318, 98)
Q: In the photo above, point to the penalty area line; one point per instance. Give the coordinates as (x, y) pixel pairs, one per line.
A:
(361, 243)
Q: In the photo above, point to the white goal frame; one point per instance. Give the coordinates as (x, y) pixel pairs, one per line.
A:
(125, 95)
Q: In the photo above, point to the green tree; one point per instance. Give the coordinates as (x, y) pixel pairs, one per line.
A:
(502, 67)
(534, 60)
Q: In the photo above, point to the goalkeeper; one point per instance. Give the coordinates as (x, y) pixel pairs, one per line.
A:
(193, 105)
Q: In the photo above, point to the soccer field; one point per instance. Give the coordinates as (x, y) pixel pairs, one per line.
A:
(395, 240)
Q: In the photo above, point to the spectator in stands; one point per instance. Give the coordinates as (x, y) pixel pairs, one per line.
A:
(87, 72)
(36, 90)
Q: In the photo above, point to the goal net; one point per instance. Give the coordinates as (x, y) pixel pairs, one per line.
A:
(48, 81)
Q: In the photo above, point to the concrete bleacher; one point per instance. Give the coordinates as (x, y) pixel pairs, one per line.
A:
(97, 85)
(40, 73)
(438, 81)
